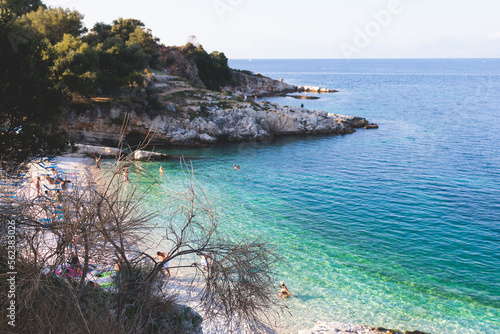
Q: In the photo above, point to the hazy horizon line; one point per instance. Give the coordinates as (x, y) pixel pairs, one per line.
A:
(349, 59)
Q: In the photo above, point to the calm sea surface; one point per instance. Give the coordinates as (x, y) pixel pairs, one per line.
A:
(397, 227)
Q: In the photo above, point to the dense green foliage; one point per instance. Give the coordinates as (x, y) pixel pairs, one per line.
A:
(212, 68)
(107, 58)
(54, 23)
(31, 103)
(20, 7)
(45, 56)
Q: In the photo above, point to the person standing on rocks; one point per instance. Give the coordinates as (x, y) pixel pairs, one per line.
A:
(97, 161)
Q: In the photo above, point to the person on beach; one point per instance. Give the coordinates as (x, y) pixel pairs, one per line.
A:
(284, 291)
(119, 263)
(55, 180)
(125, 175)
(74, 243)
(74, 267)
(38, 186)
(58, 196)
(206, 261)
(74, 262)
(54, 172)
(162, 256)
(161, 170)
(64, 185)
(49, 179)
(97, 161)
(47, 195)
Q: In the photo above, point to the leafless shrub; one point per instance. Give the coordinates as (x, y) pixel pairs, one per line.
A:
(112, 228)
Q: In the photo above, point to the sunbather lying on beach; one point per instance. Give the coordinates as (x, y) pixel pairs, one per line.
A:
(53, 180)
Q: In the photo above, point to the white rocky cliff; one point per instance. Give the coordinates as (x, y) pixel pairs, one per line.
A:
(190, 116)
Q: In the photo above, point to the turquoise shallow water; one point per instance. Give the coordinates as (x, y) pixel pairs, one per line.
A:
(397, 227)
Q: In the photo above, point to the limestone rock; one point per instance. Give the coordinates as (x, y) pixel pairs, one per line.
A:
(371, 126)
(256, 84)
(215, 122)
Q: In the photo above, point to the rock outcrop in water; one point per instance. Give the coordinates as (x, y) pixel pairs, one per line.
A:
(259, 85)
(256, 84)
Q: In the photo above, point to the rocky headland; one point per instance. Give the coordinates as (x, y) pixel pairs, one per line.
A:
(186, 115)
(175, 107)
(259, 85)
(174, 60)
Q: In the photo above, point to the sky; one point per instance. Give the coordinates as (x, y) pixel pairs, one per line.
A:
(299, 29)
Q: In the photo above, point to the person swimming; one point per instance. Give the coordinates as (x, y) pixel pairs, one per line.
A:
(284, 291)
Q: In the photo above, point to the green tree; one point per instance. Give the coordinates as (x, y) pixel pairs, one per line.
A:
(98, 34)
(54, 23)
(130, 31)
(30, 103)
(77, 65)
(212, 68)
(144, 38)
(117, 61)
(124, 27)
(20, 7)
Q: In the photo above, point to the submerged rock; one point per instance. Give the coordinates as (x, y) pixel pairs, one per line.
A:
(304, 97)
(345, 328)
(339, 328)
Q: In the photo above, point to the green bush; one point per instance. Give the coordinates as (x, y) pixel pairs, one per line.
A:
(212, 68)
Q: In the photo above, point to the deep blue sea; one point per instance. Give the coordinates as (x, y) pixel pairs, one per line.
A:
(397, 227)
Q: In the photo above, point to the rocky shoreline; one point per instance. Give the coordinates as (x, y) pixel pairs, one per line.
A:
(198, 117)
(259, 85)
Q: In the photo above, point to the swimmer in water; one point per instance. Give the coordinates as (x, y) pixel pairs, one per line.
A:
(284, 291)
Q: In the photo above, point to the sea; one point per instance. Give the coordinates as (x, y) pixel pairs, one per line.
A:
(397, 227)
